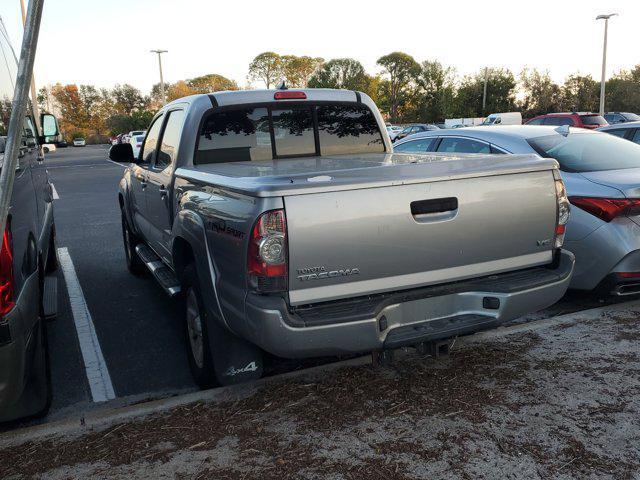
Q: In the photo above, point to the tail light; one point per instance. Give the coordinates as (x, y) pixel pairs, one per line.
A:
(6, 271)
(607, 208)
(564, 209)
(267, 255)
(289, 95)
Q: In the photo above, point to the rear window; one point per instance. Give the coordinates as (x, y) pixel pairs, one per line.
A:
(588, 152)
(280, 131)
(139, 138)
(348, 129)
(593, 120)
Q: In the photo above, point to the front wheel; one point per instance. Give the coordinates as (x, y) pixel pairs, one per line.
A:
(130, 240)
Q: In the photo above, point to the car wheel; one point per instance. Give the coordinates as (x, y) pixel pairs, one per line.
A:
(130, 240)
(196, 320)
(52, 256)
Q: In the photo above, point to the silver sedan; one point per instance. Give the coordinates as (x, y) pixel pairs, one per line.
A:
(602, 176)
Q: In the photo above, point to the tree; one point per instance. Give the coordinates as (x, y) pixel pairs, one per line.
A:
(266, 67)
(128, 99)
(178, 90)
(400, 69)
(435, 93)
(501, 89)
(623, 91)
(345, 73)
(541, 94)
(211, 82)
(581, 93)
(298, 70)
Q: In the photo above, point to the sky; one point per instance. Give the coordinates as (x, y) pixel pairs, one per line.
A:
(106, 43)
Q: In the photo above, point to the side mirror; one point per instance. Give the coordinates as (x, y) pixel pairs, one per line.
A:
(49, 125)
(121, 152)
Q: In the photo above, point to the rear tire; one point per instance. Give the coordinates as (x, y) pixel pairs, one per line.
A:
(52, 256)
(130, 240)
(196, 321)
(216, 356)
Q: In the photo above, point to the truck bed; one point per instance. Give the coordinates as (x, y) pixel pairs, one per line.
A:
(277, 178)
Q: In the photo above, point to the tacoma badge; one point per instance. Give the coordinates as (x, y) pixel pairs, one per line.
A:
(318, 273)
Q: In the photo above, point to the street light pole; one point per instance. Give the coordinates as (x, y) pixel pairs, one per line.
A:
(484, 94)
(604, 58)
(160, 52)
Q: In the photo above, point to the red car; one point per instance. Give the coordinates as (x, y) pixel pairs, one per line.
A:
(575, 119)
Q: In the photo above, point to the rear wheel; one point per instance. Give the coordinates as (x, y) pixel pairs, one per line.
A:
(216, 356)
(198, 350)
(130, 240)
(52, 256)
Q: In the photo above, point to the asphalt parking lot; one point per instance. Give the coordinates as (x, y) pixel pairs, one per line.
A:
(138, 329)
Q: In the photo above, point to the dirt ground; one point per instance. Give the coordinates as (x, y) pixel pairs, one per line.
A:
(561, 401)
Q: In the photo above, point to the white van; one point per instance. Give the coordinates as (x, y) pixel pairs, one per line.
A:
(507, 118)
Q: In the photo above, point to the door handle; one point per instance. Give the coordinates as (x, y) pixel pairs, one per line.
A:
(162, 191)
(434, 210)
(143, 184)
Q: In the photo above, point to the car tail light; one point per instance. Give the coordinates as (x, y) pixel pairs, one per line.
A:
(628, 274)
(267, 255)
(564, 209)
(6, 271)
(607, 208)
(287, 95)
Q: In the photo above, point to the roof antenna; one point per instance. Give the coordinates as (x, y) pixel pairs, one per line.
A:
(283, 86)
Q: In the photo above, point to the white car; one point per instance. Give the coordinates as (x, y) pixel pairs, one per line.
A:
(136, 143)
(49, 147)
(79, 142)
(393, 130)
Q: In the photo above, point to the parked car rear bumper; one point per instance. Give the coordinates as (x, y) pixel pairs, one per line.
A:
(403, 318)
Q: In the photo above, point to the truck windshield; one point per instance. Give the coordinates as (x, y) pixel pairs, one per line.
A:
(583, 152)
(279, 131)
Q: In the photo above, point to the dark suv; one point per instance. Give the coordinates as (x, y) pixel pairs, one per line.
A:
(27, 254)
(574, 119)
(621, 117)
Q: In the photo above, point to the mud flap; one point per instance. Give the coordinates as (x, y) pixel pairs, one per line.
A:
(234, 360)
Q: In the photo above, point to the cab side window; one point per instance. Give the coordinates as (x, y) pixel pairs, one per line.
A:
(151, 141)
(168, 150)
(536, 121)
(636, 136)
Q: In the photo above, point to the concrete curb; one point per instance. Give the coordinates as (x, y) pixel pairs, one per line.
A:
(103, 418)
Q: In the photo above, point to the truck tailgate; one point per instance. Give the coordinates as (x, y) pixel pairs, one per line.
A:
(368, 240)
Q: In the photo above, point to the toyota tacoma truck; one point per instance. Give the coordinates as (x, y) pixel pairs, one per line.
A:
(286, 223)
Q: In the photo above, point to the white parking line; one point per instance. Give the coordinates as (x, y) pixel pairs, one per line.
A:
(94, 364)
(55, 192)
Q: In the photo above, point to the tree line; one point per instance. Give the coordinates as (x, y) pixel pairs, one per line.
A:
(404, 89)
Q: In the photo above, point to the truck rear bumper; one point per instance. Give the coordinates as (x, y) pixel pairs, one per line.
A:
(404, 318)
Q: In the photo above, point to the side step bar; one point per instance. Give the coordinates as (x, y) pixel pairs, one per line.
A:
(163, 274)
(50, 297)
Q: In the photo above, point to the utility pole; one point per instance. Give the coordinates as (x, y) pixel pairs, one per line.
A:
(604, 58)
(19, 107)
(160, 52)
(484, 94)
(34, 97)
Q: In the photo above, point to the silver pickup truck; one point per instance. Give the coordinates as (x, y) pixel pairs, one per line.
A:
(288, 225)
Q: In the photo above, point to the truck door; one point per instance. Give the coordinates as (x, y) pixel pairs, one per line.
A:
(160, 186)
(140, 178)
